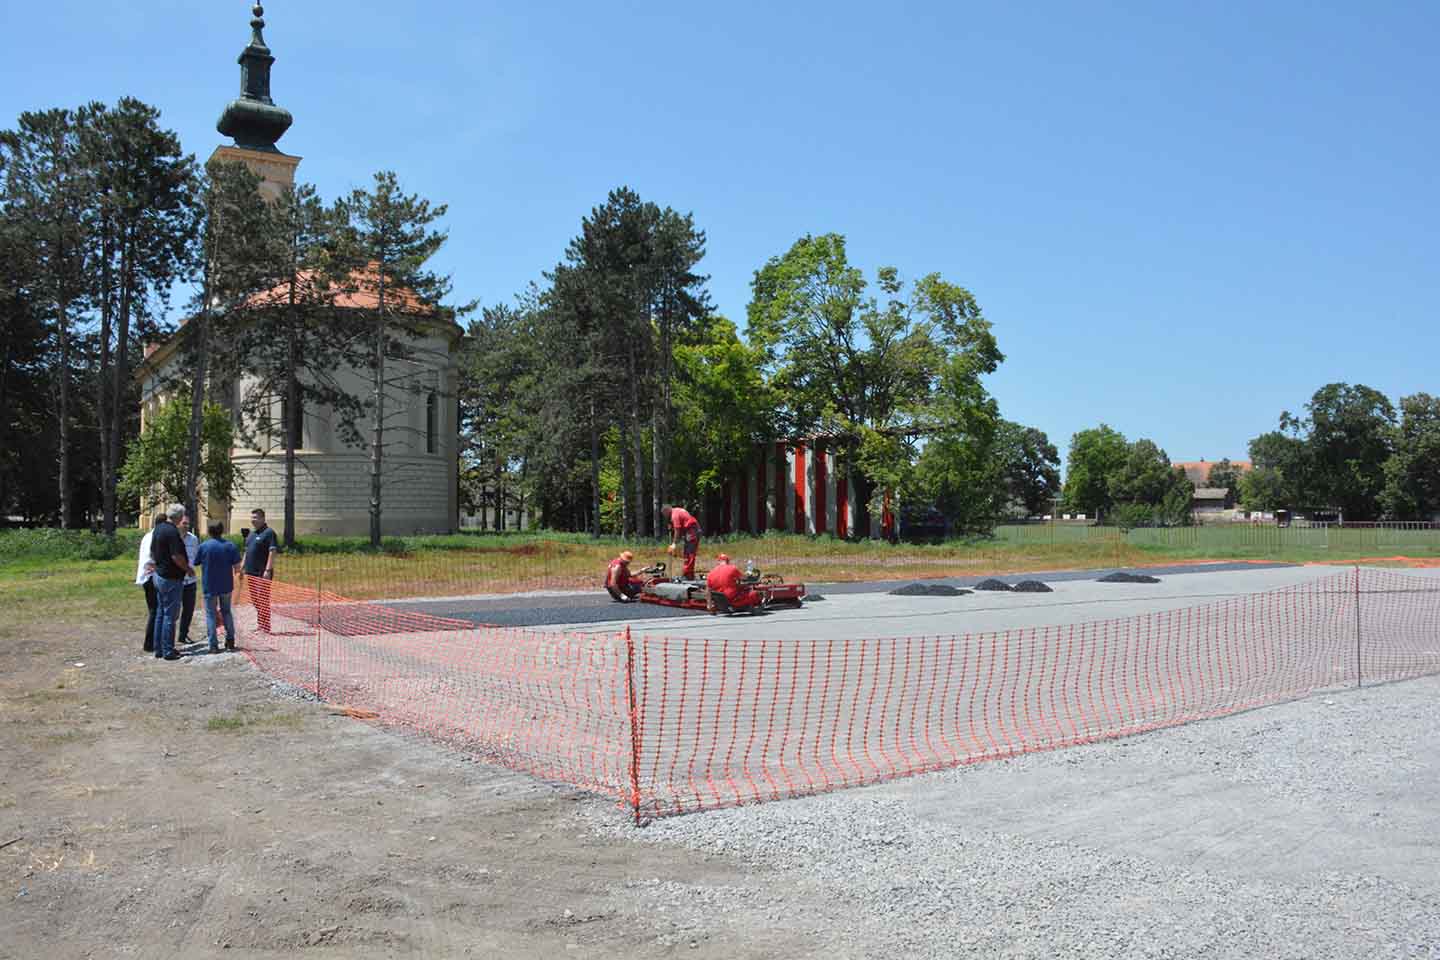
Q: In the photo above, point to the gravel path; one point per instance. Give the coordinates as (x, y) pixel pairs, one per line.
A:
(1302, 830)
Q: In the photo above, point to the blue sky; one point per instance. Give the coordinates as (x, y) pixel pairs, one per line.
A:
(1181, 218)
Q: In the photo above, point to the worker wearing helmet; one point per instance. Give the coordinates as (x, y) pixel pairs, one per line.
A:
(684, 528)
(726, 579)
(618, 582)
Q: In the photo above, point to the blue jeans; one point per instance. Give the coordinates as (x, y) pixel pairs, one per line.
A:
(167, 612)
(220, 602)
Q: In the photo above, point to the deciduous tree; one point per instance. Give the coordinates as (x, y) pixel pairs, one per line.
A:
(1095, 455)
(1029, 467)
(1412, 474)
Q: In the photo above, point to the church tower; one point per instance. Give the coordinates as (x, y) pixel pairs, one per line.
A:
(331, 490)
(254, 122)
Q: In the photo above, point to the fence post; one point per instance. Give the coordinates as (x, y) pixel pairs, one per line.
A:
(634, 725)
(319, 600)
(1358, 677)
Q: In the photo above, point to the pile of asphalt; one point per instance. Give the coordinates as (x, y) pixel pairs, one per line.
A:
(1031, 586)
(993, 584)
(928, 590)
(1121, 577)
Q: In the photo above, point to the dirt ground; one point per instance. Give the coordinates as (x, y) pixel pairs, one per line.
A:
(192, 809)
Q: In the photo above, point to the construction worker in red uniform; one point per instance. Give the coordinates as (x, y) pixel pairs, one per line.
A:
(618, 581)
(725, 580)
(683, 528)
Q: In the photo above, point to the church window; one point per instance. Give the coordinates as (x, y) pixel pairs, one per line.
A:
(432, 425)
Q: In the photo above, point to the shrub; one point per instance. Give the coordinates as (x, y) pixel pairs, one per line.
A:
(48, 543)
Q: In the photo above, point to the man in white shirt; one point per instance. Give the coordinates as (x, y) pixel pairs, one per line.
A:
(143, 573)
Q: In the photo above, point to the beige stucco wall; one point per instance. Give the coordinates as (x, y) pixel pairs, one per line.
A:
(332, 495)
(419, 491)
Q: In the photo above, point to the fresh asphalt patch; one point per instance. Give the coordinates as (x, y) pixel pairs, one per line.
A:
(542, 611)
(579, 609)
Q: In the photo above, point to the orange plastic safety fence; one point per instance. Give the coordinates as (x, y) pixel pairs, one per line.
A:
(551, 704)
(723, 722)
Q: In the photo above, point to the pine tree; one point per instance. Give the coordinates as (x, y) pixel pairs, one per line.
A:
(387, 242)
(142, 240)
(47, 187)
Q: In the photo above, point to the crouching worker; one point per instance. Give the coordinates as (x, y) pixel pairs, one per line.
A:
(726, 581)
(684, 529)
(618, 581)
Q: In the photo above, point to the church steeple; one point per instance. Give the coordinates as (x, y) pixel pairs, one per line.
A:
(254, 121)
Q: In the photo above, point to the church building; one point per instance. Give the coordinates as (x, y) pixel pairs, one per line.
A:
(332, 478)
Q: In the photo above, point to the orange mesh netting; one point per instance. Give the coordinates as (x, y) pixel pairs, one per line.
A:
(671, 725)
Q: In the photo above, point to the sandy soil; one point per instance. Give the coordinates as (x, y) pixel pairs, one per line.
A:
(193, 809)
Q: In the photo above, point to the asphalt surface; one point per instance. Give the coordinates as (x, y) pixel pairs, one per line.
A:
(586, 609)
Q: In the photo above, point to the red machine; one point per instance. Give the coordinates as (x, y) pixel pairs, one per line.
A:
(694, 595)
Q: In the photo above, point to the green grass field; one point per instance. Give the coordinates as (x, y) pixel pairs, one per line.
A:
(77, 577)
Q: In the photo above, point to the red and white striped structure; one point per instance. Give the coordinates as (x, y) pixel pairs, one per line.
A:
(794, 486)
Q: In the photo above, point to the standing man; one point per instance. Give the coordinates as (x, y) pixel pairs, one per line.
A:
(260, 552)
(187, 593)
(219, 562)
(167, 552)
(684, 527)
(144, 574)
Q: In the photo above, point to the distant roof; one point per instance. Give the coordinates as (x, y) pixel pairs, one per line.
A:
(1198, 471)
(362, 293)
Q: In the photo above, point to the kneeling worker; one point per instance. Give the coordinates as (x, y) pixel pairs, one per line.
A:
(726, 580)
(618, 581)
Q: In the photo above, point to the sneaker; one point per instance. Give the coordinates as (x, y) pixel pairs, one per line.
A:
(229, 645)
(172, 655)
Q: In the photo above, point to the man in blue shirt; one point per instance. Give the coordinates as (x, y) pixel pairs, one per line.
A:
(219, 561)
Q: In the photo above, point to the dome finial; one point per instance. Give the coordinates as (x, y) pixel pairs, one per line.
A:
(257, 39)
(254, 120)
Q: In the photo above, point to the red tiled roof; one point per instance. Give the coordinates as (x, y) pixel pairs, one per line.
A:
(363, 294)
(1198, 471)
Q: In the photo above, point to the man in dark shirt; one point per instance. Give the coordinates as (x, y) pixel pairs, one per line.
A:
(172, 565)
(260, 550)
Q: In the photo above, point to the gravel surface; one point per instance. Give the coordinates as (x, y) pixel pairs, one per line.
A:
(1303, 830)
(1061, 576)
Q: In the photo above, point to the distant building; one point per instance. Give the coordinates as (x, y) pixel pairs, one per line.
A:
(795, 486)
(1198, 471)
(1211, 503)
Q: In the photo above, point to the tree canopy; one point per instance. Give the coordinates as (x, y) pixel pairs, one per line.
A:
(1346, 453)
